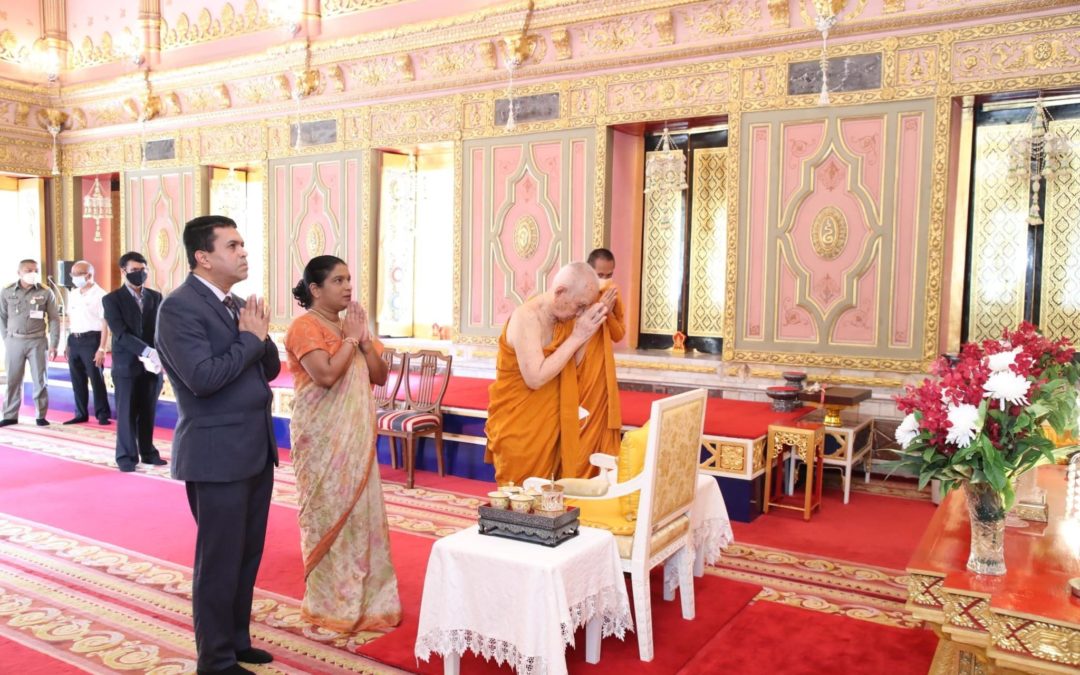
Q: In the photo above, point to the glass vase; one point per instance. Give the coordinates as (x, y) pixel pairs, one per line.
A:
(986, 507)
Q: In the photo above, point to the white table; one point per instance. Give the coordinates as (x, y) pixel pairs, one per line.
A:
(520, 603)
(709, 524)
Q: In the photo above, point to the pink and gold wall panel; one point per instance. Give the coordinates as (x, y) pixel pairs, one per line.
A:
(527, 210)
(96, 237)
(314, 210)
(833, 250)
(158, 202)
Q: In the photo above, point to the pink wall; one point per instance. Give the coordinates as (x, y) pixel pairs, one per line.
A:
(159, 203)
(314, 210)
(529, 210)
(627, 184)
(98, 253)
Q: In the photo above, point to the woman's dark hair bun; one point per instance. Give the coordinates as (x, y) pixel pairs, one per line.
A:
(302, 294)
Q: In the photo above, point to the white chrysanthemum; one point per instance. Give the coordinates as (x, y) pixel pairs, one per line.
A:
(1007, 387)
(1002, 360)
(962, 419)
(907, 431)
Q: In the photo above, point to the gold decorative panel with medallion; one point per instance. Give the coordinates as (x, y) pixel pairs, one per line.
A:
(833, 240)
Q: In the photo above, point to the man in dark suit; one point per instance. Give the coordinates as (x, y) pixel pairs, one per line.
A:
(220, 361)
(131, 312)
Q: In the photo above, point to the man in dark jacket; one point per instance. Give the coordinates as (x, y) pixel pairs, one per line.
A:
(131, 312)
(216, 352)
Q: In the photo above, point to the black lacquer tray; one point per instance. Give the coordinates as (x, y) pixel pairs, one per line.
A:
(533, 528)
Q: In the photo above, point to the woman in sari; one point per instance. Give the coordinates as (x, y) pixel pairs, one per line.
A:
(344, 537)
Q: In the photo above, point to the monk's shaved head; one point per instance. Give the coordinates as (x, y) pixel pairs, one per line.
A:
(575, 277)
(574, 288)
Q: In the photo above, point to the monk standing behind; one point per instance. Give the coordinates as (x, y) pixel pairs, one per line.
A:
(533, 425)
(597, 387)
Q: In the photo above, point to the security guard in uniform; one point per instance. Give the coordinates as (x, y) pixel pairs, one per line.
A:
(26, 309)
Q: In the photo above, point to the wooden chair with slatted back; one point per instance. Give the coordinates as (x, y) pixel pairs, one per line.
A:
(386, 395)
(426, 376)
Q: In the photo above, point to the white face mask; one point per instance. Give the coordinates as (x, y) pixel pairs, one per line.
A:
(79, 281)
(30, 278)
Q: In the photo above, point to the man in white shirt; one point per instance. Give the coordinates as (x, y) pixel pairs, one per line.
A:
(88, 336)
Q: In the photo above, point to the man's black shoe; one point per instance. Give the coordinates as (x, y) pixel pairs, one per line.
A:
(254, 655)
(42, 422)
(234, 669)
(157, 461)
(105, 421)
(77, 420)
(126, 468)
(8, 423)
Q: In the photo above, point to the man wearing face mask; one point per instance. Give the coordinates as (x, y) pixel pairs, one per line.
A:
(24, 308)
(87, 338)
(131, 312)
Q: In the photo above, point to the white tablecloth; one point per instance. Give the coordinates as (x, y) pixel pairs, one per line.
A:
(517, 602)
(709, 520)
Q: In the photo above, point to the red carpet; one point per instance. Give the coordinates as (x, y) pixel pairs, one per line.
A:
(149, 515)
(16, 658)
(772, 638)
(674, 640)
(870, 529)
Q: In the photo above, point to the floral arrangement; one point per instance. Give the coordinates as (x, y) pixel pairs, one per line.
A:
(981, 420)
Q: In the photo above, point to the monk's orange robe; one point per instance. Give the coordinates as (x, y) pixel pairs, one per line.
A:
(599, 393)
(531, 432)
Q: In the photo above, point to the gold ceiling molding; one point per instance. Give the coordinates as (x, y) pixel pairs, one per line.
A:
(89, 54)
(332, 8)
(206, 28)
(253, 65)
(719, 19)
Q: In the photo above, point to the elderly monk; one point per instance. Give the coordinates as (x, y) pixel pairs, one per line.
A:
(533, 423)
(597, 388)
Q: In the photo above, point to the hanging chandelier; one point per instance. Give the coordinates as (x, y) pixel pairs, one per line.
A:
(97, 207)
(1038, 155)
(665, 169)
(827, 12)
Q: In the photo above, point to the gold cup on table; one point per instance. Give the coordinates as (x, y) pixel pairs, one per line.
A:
(520, 502)
(499, 499)
(510, 489)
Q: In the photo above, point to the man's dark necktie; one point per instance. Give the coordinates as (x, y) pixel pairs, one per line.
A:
(234, 309)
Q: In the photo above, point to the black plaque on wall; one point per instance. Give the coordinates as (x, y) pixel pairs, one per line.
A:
(155, 151)
(846, 73)
(314, 133)
(536, 108)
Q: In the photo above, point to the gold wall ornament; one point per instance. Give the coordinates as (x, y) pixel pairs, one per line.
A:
(519, 48)
(665, 31)
(617, 34)
(89, 54)
(1059, 315)
(999, 235)
(10, 49)
(560, 39)
(894, 6)
(161, 244)
(708, 243)
(779, 13)
(131, 108)
(335, 78)
(221, 93)
(829, 233)
(172, 103)
(280, 84)
(316, 240)
(22, 112)
(206, 27)
(306, 83)
(526, 237)
(661, 277)
(485, 51)
(403, 65)
(150, 107)
(383, 70)
(340, 7)
(718, 19)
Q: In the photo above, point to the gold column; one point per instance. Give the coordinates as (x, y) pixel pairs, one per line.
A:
(150, 26)
(708, 243)
(1059, 314)
(998, 236)
(54, 28)
(662, 256)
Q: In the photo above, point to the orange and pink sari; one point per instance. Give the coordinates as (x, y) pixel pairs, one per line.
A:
(344, 536)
